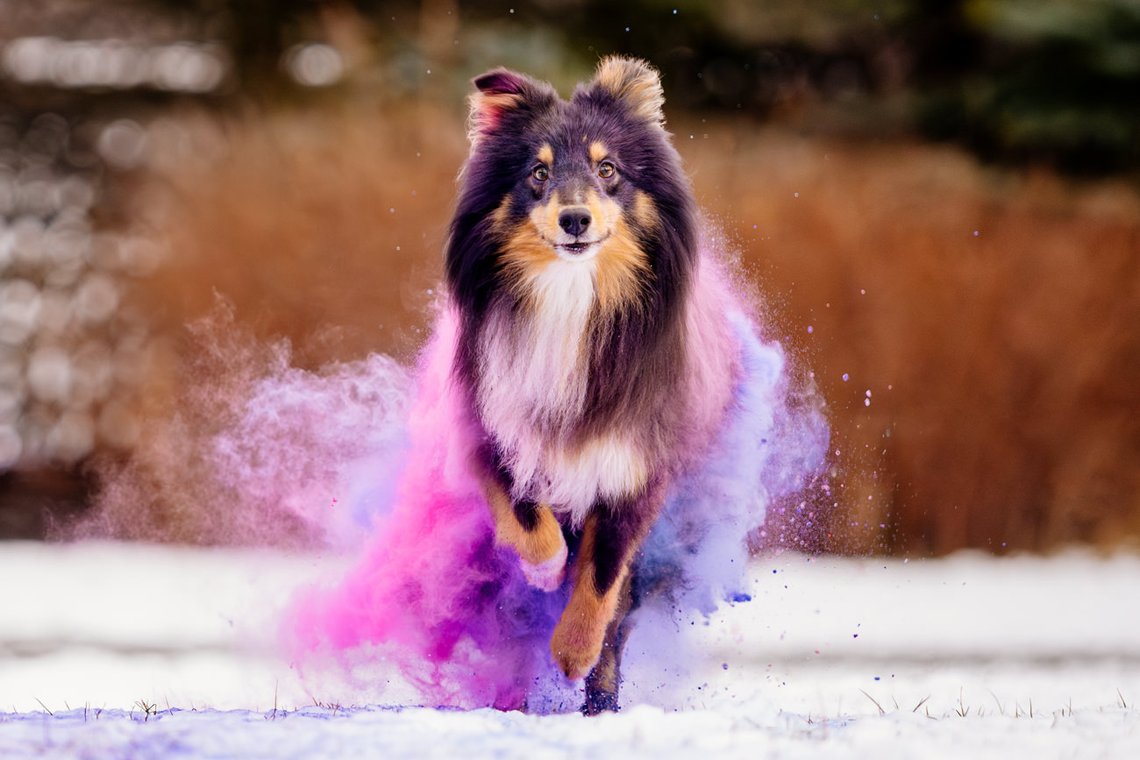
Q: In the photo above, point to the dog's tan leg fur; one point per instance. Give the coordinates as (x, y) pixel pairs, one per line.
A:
(535, 546)
(580, 633)
(604, 680)
(541, 548)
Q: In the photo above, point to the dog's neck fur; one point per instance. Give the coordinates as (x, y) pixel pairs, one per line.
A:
(533, 371)
(533, 394)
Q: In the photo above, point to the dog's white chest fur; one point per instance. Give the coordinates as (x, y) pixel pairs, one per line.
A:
(533, 377)
(532, 367)
(606, 467)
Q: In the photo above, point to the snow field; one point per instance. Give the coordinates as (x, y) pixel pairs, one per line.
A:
(121, 650)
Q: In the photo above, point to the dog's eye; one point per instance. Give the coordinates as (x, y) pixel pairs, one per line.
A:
(606, 169)
(540, 173)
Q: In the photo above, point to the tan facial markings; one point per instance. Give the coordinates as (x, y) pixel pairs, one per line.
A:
(604, 214)
(644, 211)
(525, 253)
(545, 218)
(525, 256)
(546, 155)
(598, 151)
(622, 267)
(528, 248)
(621, 270)
(499, 215)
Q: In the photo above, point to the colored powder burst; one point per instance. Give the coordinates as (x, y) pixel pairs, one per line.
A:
(248, 450)
(255, 451)
(435, 598)
(432, 594)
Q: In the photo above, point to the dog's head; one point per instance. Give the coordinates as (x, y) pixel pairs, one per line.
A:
(554, 185)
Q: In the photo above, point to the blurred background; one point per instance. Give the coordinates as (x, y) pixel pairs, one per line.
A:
(938, 200)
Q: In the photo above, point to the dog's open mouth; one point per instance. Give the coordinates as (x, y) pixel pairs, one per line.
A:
(579, 248)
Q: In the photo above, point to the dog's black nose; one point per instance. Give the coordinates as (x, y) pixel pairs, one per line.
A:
(574, 220)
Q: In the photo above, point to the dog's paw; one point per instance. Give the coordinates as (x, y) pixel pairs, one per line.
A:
(576, 647)
(547, 575)
(599, 702)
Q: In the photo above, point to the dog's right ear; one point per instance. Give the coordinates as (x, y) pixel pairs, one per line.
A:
(635, 83)
(497, 92)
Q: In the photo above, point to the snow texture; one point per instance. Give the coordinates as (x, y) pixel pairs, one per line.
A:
(123, 650)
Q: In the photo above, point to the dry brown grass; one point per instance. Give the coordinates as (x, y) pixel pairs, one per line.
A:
(325, 227)
(1003, 365)
(995, 318)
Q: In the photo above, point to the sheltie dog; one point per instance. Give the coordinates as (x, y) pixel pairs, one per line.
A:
(594, 354)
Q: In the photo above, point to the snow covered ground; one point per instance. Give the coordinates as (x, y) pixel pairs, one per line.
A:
(119, 650)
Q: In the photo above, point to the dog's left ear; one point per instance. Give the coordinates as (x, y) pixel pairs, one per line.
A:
(497, 92)
(635, 83)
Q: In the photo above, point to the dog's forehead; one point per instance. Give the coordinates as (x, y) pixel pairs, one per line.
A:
(580, 132)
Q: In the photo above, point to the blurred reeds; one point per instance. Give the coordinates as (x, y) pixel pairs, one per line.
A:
(994, 317)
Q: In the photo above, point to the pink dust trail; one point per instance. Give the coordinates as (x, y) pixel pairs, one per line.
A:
(247, 450)
(367, 458)
(433, 597)
(445, 606)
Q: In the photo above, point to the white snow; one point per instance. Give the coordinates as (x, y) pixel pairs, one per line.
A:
(122, 650)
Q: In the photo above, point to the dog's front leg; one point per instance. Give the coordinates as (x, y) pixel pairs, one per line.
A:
(604, 680)
(533, 531)
(612, 535)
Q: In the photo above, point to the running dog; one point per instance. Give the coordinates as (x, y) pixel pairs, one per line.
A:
(594, 353)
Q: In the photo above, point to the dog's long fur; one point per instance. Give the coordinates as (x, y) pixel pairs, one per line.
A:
(593, 351)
